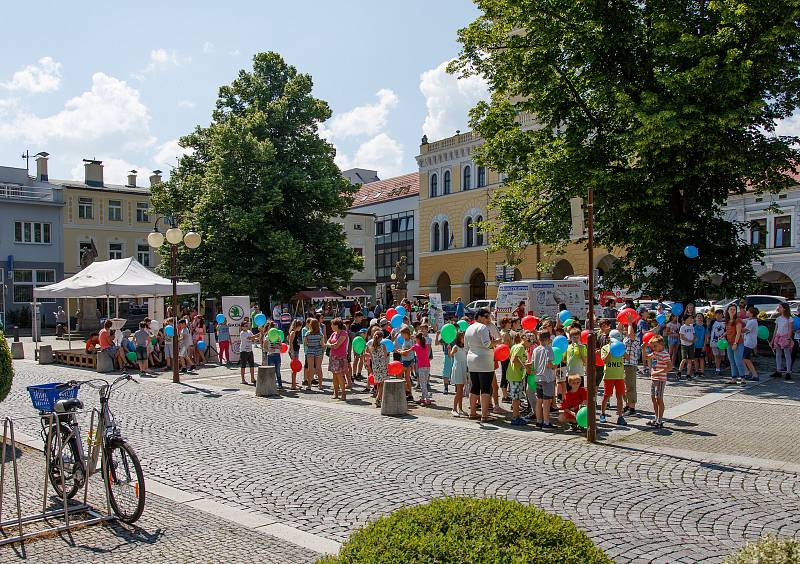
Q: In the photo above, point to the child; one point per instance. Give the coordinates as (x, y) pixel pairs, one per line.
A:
(142, 340)
(515, 374)
(614, 376)
(338, 343)
(406, 356)
(686, 334)
(542, 361)
(447, 369)
(507, 338)
(92, 343)
(224, 342)
(185, 344)
(660, 363)
(717, 333)
(246, 339)
(700, 342)
(458, 375)
(575, 398)
(294, 347)
(672, 332)
(379, 361)
(273, 352)
(631, 362)
(576, 354)
(750, 342)
(421, 351)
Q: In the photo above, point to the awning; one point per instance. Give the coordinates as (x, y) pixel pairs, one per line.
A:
(307, 295)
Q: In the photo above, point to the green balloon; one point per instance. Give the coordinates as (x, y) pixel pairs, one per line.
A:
(763, 332)
(568, 322)
(359, 344)
(274, 335)
(722, 344)
(558, 354)
(463, 324)
(131, 356)
(531, 381)
(582, 417)
(448, 333)
(153, 341)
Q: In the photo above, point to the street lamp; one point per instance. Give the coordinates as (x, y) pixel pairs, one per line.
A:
(174, 236)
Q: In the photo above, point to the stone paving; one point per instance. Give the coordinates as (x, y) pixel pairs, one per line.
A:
(326, 469)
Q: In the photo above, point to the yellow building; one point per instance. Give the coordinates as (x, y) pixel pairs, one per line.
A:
(454, 259)
(115, 218)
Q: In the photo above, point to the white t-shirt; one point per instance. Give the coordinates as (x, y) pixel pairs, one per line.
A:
(246, 345)
(717, 332)
(480, 355)
(751, 333)
(687, 335)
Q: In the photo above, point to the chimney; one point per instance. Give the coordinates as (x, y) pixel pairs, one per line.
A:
(41, 166)
(94, 172)
(132, 179)
(155, 178)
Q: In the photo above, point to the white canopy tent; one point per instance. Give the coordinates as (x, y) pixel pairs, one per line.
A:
(119, 278)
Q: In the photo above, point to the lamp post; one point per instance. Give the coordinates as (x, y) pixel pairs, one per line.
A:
(591, 424)
(174, 236)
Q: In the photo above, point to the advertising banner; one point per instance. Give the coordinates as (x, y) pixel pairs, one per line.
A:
(436, 313)
(235, 309)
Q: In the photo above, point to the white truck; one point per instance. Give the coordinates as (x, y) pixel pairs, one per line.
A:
(542, 297)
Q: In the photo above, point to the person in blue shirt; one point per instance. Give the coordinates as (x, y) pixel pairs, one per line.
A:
(700, 342)
(459, 309)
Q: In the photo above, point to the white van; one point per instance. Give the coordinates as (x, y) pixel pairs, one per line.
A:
(542, 297)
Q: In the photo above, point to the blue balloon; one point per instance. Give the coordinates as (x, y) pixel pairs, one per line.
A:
(796, 323)
(397, 321)
(169, 330)
(617, 349)
(561, 342)
(677, 309)
(400, 340)
(661, 318)
(388, 345)
(201, 345)
(691, 252)
(260, 320)
(220, 318)
(564, 315)
(401, 311)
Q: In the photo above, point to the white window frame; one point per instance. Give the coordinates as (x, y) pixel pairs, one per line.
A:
(34, 283)
(121, 251)
(83, 206)
(32, 231)
(114, 207)
(143, 212)
(141, 253)
(791, 231)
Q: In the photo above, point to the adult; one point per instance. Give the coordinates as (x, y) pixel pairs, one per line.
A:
(378, 309)
(312, 342)
(337, 343)
(459, 308)
(61, 321)
(609, 311)
(688, 311)
(520, 311)
(782, 342)
(355, 308)
(734, 333)
(358, 328)
(246, 339)
(480, 363)
(109, 347)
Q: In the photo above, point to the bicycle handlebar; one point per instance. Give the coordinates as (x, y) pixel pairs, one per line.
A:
(98, 383)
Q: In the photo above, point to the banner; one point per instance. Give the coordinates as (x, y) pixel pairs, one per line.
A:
(235, 309)
(436, 313)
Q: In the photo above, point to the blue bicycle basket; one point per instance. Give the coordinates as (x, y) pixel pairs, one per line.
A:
(44, 396)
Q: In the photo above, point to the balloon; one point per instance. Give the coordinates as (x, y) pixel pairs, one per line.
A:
(529, 323)
(201, 345)
(260, 320)
(281, 336)
(763, 332)
(153, 341)
(796, 323)
(598, 360)
(274, 335)
(568, 322)
(169, 330)
(220, 318)
(400, 340)
(296, 365)
(401, 311)
(617, 349)
(661, 318)
(722, 344)
(582, 417)
(359, 344)
(448, 333)
(391, 312)
(531, 381)
(371, 379)
(627, 316)
(501, 353)
(585, 336)
(388, 345)
(561, 342)
(558, 354)
(677, 309)
(395, 368)
(463, 324)
(564, 315)
(691, 252)
(615, 335)
(647, 337)
(131, 356)
(397, 321)
(284, 348)
(155, 324)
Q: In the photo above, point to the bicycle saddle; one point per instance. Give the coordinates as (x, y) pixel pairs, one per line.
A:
(64, 405)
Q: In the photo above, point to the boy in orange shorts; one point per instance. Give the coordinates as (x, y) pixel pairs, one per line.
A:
(614, 377)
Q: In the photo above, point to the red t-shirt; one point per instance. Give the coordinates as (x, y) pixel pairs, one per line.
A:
(730, 332)
(574, 399)
(105, 339)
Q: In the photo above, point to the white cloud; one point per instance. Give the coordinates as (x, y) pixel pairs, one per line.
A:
(788, 126)
(208, 47)
(161, 59)
(381, 153)
(44, 76)
(448, 100)
(168, 153)
(234, 53)
(186, 104)
(115, 171)
(361, 120)
(110, 108)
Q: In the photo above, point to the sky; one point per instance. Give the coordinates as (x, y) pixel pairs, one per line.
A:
(121, 82)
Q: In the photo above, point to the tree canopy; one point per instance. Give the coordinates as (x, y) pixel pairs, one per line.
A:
(663, 107)
(261, 187)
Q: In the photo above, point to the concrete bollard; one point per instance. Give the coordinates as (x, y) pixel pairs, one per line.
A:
(104, 363)
(17, 351)
(266, 384)
(394, 397)
(46, 354)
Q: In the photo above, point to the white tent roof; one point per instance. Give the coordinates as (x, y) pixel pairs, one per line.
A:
(121, 278)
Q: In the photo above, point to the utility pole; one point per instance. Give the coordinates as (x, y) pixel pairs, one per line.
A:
(591, 427)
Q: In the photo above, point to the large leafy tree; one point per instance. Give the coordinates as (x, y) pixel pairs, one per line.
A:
(261, 187)
(663, 107)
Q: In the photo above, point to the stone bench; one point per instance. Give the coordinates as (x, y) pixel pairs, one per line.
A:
(266, 383)
(105, 363)
(394, 397)
(17, 350)
(46, 354)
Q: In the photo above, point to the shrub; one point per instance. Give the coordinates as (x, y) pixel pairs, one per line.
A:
(464, 530)
(6, 368)
(769, 550)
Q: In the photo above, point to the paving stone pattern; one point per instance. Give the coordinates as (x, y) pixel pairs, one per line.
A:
(327, 469)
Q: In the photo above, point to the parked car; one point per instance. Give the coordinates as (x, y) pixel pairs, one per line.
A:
(772, 313)
(764, 303)
(449, 311)
(472, 307)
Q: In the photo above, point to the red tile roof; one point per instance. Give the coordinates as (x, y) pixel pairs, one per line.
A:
(385, 190)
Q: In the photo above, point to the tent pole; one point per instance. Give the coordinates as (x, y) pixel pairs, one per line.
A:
(108, 307)
(69, 336)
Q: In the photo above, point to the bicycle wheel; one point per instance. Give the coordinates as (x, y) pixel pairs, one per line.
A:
(74, 475)
(125, 481)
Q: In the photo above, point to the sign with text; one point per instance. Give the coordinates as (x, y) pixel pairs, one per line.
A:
(235, 309)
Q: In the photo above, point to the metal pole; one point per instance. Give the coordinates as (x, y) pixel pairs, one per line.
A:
(591, 428)
(69, 335)
(176, 378)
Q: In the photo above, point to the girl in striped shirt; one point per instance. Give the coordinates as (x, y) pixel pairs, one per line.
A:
(660, 363)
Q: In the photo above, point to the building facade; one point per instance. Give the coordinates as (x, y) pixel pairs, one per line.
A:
(359, 229)
(395, 205)
(31, 244)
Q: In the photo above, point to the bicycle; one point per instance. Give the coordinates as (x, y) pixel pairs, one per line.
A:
(122, 471)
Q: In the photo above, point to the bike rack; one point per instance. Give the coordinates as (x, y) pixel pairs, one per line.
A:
(69, 509)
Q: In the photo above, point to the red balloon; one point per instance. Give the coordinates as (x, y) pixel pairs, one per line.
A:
(391, 312)
(501, 353)
(647, 337)
(284, 348)
(598, 360)
(529, 322)
(395, 368)
(585, 336)
(296, 365)
(627, 316)
(371, 379)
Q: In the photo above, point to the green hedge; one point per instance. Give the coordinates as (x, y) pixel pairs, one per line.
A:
(769, 550)
(6, 368)
(469, 531)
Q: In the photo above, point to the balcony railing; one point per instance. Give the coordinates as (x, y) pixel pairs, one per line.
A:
(29, 193)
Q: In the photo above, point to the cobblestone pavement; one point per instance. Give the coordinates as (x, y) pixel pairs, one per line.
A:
(326, 469)
(165, 533)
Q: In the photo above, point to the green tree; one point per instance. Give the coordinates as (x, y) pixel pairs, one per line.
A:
(261, 187)
(6, 368)
(663, 107)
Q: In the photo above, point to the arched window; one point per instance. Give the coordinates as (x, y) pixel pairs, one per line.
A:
(478, 232)
(434, 185)
(445, 236)
(435, 237)
(467, 184)
(469, 232)
(446, 182)
(481, 176)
